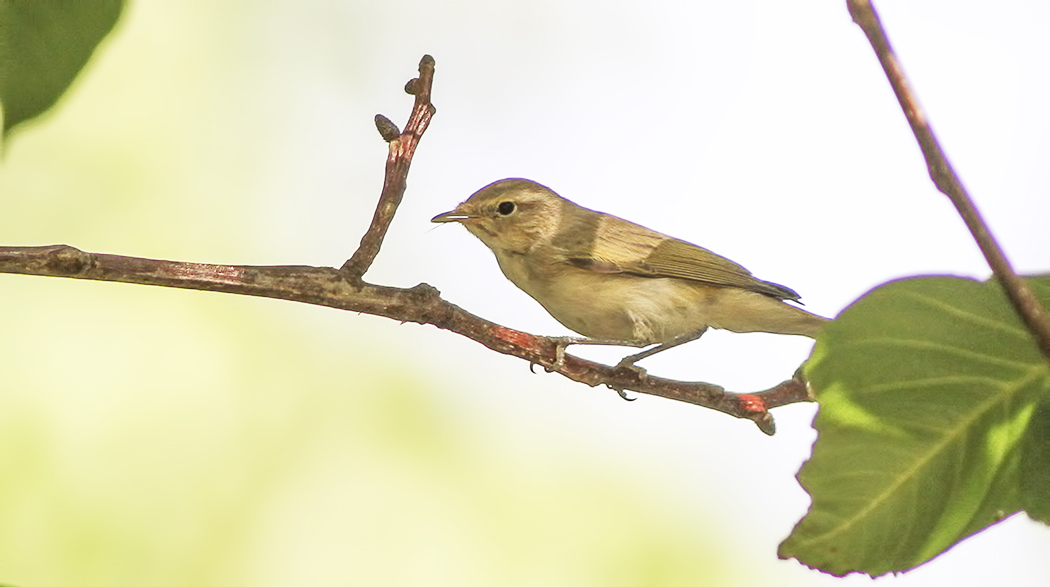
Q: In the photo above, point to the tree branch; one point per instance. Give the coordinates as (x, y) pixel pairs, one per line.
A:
(402, 147)
(1023, 299)
(326, 286)
(345, 289)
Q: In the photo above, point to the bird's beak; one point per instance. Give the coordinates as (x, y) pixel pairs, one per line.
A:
(453, 216)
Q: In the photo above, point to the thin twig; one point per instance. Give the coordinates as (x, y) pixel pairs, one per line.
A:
(325, 286)
(399, 159)
(1023, 299)
(344, 289)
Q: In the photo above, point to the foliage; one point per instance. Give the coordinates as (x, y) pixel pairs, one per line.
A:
(43, 46)
(933, 425)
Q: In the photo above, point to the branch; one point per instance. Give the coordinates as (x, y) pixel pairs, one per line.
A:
(402, 148)
(1020, 295)
(345, 289)
(326, 286)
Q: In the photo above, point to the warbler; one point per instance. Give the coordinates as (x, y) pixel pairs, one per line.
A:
(617, 282)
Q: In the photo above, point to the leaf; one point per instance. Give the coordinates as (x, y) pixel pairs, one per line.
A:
(1035, 465)
(927, 390)
(43, 45)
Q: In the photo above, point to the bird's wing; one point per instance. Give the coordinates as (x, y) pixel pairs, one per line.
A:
(626, 247)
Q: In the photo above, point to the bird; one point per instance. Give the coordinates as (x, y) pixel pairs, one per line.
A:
(617, 282)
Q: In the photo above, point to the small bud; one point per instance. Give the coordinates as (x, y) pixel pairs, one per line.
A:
(387, 129)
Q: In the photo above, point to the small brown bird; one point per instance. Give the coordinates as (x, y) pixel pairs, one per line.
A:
(617, 282)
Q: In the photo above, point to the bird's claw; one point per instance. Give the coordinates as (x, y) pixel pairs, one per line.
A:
(628, 364)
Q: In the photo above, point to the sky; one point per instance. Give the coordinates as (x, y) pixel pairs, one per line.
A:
(209, 439)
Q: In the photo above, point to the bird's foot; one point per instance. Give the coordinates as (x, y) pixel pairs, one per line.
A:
(563, 342)
(628, 364)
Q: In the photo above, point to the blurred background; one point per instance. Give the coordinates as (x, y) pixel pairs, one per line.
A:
(156, 436)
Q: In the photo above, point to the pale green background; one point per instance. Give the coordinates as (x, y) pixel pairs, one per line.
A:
(161, 437)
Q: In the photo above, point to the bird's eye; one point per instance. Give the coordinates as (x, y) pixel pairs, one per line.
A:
(505, 208)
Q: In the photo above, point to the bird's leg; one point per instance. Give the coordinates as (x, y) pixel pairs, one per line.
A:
(629, 361)
(563, 342)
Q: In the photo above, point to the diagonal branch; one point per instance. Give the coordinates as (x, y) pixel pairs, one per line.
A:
(345, 289)
(326, 286)
(1020, 295)
(402, 148)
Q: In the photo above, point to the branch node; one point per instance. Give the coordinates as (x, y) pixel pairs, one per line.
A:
(67, 260)
(424, 292)
(766, 424)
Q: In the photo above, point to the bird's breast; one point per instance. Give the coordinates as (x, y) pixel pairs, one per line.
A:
(611, 306)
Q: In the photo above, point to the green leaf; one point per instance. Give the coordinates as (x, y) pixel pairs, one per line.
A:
(1035, 465)
(927, 390)
(43, 45)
